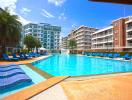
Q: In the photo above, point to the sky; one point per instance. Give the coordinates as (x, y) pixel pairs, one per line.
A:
(69, 14)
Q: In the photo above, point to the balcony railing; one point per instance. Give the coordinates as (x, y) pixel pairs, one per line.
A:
(129, 44)
(130, 27)
(129, 36)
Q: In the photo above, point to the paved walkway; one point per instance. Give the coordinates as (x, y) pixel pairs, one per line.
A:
(114, 87)
(23, 61)
(103, 87)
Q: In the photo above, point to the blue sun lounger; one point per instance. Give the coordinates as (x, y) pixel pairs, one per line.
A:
(6, 57)
(116, 55)
(21, 56)
(127, 57)
(13, 81)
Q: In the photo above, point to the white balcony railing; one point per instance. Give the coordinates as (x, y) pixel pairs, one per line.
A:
(129, 36)
(129, 44)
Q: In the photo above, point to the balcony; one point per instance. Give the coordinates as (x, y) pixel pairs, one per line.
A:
(129, 29)
(129, 44)
(102, 36)
(129, 37)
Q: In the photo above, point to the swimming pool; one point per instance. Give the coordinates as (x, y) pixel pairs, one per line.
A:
(75, 65)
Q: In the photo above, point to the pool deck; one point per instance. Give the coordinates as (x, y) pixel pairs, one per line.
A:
(102, 87)
(27, 61)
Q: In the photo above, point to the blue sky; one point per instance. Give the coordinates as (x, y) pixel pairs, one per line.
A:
(66, 13)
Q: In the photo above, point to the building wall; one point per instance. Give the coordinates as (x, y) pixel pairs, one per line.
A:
(128, 25)
(103, 39)
(64, 43)
(120, 35)
(82, 35)
(48, 35)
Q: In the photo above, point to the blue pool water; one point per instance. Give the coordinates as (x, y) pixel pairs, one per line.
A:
(75, 65)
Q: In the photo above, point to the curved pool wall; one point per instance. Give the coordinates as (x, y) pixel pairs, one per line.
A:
(76, 65)
(36, 78)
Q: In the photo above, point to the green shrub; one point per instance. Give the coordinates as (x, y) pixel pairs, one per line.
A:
(8, 53)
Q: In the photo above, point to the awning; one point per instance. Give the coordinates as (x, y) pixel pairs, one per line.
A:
(42, 48)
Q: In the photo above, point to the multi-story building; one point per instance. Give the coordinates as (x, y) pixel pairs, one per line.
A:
(82, 35)
(48, 35)
(103, 39)
(116, 37)
(64, 43)
(129, 33)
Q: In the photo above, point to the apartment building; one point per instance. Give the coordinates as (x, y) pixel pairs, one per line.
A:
(64, 42)
(103, 39)
(129, 33)
(48, 35)
(116, 37)
(82, 35)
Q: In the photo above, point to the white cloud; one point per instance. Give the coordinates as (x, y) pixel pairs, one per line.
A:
(62, 16)
(57, 2)
(47, 14)
(73, 25)
(23, 20)
(25, 11)
(11, 4)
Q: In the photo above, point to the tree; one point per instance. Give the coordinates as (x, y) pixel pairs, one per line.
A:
(31, 42)
(72, 44)
(10, 30)
(37, 43)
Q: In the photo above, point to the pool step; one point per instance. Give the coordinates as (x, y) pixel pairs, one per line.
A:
(42, 73)
(35, 89)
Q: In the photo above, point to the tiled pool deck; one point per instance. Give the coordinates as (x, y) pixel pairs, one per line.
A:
(24, 61)
(100, 87)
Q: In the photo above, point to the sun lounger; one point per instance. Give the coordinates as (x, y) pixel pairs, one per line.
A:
(6, 57)
(116, 55)
(27, 56)
(22, 56)
(127, 57)
(110, 55)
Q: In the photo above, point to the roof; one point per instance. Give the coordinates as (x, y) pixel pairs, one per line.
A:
(104, 29)
(115, 1)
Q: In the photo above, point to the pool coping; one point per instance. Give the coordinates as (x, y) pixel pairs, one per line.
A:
(39, 71)
(109, 58)
(97, 76)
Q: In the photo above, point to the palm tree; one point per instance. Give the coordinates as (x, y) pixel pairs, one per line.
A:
(72, 44)
(10, 30)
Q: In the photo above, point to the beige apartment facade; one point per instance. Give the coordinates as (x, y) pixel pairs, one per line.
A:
(82, 36)
(64, 43)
